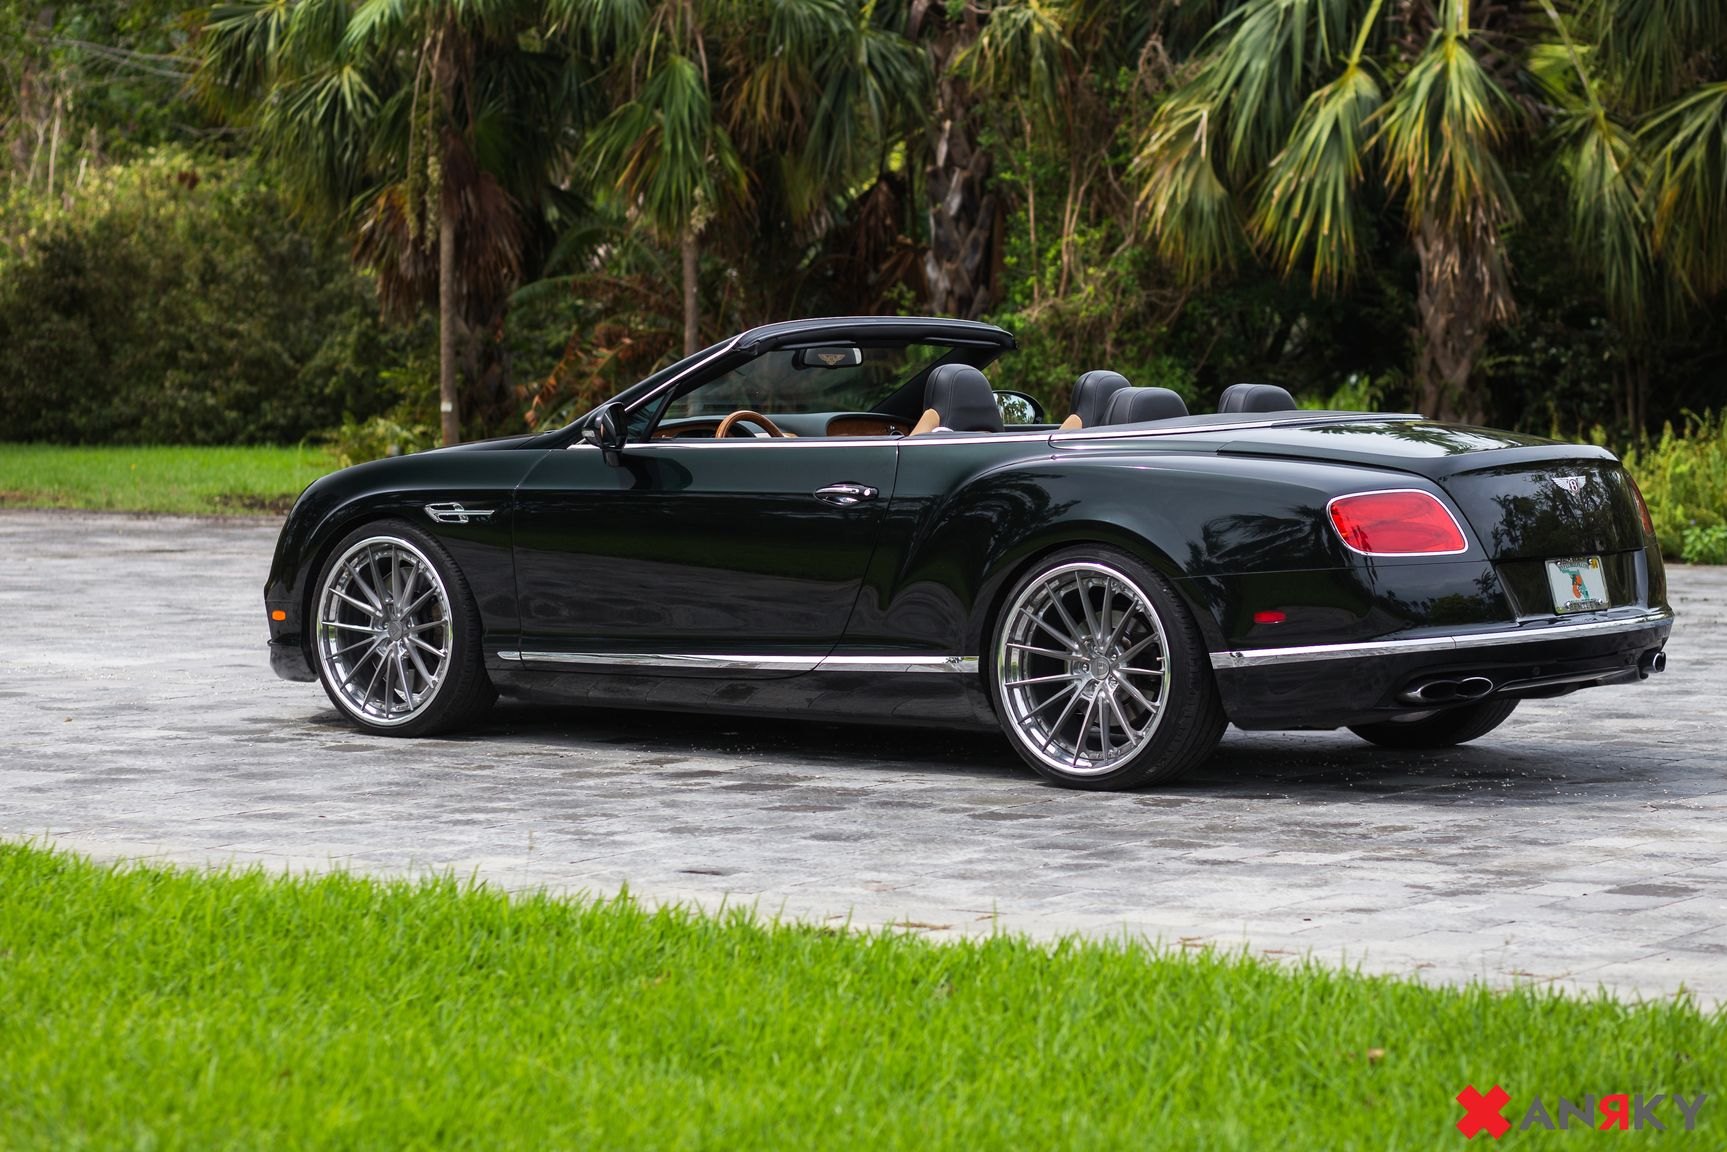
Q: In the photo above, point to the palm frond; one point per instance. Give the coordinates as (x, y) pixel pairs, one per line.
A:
(1271, 52)
(239, 49)
(1023, 51)
(1609, 227)
(1190, 212)
(664, 152)
(1442, 130)
(1307, 207)
(1687, 193)
(1652, 46)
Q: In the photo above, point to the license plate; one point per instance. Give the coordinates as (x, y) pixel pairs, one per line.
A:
(1579, 584)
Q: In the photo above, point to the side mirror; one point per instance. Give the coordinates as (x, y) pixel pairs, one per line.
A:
(1019, 408)
(604, 429)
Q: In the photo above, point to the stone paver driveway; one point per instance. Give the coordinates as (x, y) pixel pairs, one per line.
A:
(1583, 844)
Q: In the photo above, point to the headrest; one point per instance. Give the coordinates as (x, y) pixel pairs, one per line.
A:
(1091, 393)
(1255, 398)
(1132, 405)
(962, 398)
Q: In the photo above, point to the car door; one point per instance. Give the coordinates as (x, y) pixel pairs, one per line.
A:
(739, 556)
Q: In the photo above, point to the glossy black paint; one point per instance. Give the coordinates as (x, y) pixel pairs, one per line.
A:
(697, 546)
(722, 547)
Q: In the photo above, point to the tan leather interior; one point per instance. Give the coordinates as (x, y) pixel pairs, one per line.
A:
(1072, 423)
(866, 426)
(928, 422)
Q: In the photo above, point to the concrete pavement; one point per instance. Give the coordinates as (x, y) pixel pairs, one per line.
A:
(1583, 845)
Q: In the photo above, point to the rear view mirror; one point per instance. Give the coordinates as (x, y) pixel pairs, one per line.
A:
(832, 356)
(604, 429)
(1019, 408)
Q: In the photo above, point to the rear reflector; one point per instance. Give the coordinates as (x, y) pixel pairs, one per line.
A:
(1402, 522)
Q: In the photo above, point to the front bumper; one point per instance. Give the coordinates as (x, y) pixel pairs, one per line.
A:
(287, 641)
(288, 660)
(1332, 685)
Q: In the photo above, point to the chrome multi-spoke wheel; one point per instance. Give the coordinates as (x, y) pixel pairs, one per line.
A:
(1099, 675)
(1083, 668)
(384, 631)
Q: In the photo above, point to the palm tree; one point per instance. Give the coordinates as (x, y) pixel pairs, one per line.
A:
(726, 108)
(1302, 118)
(420, 126)
(1640, 93)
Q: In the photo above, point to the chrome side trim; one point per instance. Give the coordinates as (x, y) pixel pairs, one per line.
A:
(844, 663)
(718, 662)
(1461, 642)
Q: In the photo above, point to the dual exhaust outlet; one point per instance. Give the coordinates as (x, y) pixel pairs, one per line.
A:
(1464, 689)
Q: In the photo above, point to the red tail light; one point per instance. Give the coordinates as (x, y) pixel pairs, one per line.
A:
(1642, 506)
(1402, 522)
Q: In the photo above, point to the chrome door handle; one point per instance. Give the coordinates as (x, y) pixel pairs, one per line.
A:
(846, 494)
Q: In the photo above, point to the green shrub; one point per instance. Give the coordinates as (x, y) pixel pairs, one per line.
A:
(1683, 476)
(173, 301)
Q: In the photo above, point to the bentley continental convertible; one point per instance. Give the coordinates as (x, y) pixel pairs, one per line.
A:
(839, 518)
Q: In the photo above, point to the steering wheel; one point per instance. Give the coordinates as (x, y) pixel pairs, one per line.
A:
(738, 417)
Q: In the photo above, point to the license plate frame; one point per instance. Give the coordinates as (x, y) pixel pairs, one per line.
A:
(1578, 584)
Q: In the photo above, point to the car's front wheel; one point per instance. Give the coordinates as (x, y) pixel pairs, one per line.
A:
(397, 636)
(1440, 730)
(1099, 674)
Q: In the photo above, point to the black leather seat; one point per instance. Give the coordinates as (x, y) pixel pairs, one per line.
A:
(957, 398)
(1255, 398)
(1134, 405)
(1091, 396)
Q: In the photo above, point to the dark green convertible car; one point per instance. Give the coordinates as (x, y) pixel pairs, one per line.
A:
(840, 518)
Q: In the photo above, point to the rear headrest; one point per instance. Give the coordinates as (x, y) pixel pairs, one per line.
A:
(962, 398)
(1132, 405)
(1091, 394)
(1255, 398)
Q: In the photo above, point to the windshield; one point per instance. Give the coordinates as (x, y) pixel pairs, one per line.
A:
(790, 381)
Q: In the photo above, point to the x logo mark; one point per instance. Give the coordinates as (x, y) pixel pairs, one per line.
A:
(1483, 1112)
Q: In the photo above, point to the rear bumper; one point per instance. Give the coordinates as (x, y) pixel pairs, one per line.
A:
(1331, 685)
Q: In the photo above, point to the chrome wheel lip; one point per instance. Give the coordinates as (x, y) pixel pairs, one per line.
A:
(1024, 637)
(349, 683)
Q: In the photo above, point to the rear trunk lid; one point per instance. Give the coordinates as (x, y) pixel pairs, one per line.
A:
(1526, 498)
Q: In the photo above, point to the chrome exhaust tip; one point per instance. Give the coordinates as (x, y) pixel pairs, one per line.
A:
(1652, 663)
(1445, 691)
(1473, 687)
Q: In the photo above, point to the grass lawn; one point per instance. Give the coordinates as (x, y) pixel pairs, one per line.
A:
(150, 1008)
(176, 480)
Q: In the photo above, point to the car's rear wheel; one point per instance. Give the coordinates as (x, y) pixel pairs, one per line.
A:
(1440, 730)
(397, 636)
(1099, 674)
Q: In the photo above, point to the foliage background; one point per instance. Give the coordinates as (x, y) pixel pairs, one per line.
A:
(161, 282)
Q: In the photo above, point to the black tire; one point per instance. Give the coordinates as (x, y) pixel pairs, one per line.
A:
(1119, 610)
(1442, 729)
(345, 609)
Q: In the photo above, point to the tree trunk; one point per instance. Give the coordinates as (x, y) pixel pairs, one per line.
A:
(1463, 291)
(448, 399)
(959, 269)
(692, 300)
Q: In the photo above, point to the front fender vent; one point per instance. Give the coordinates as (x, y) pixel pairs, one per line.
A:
(453, 513)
